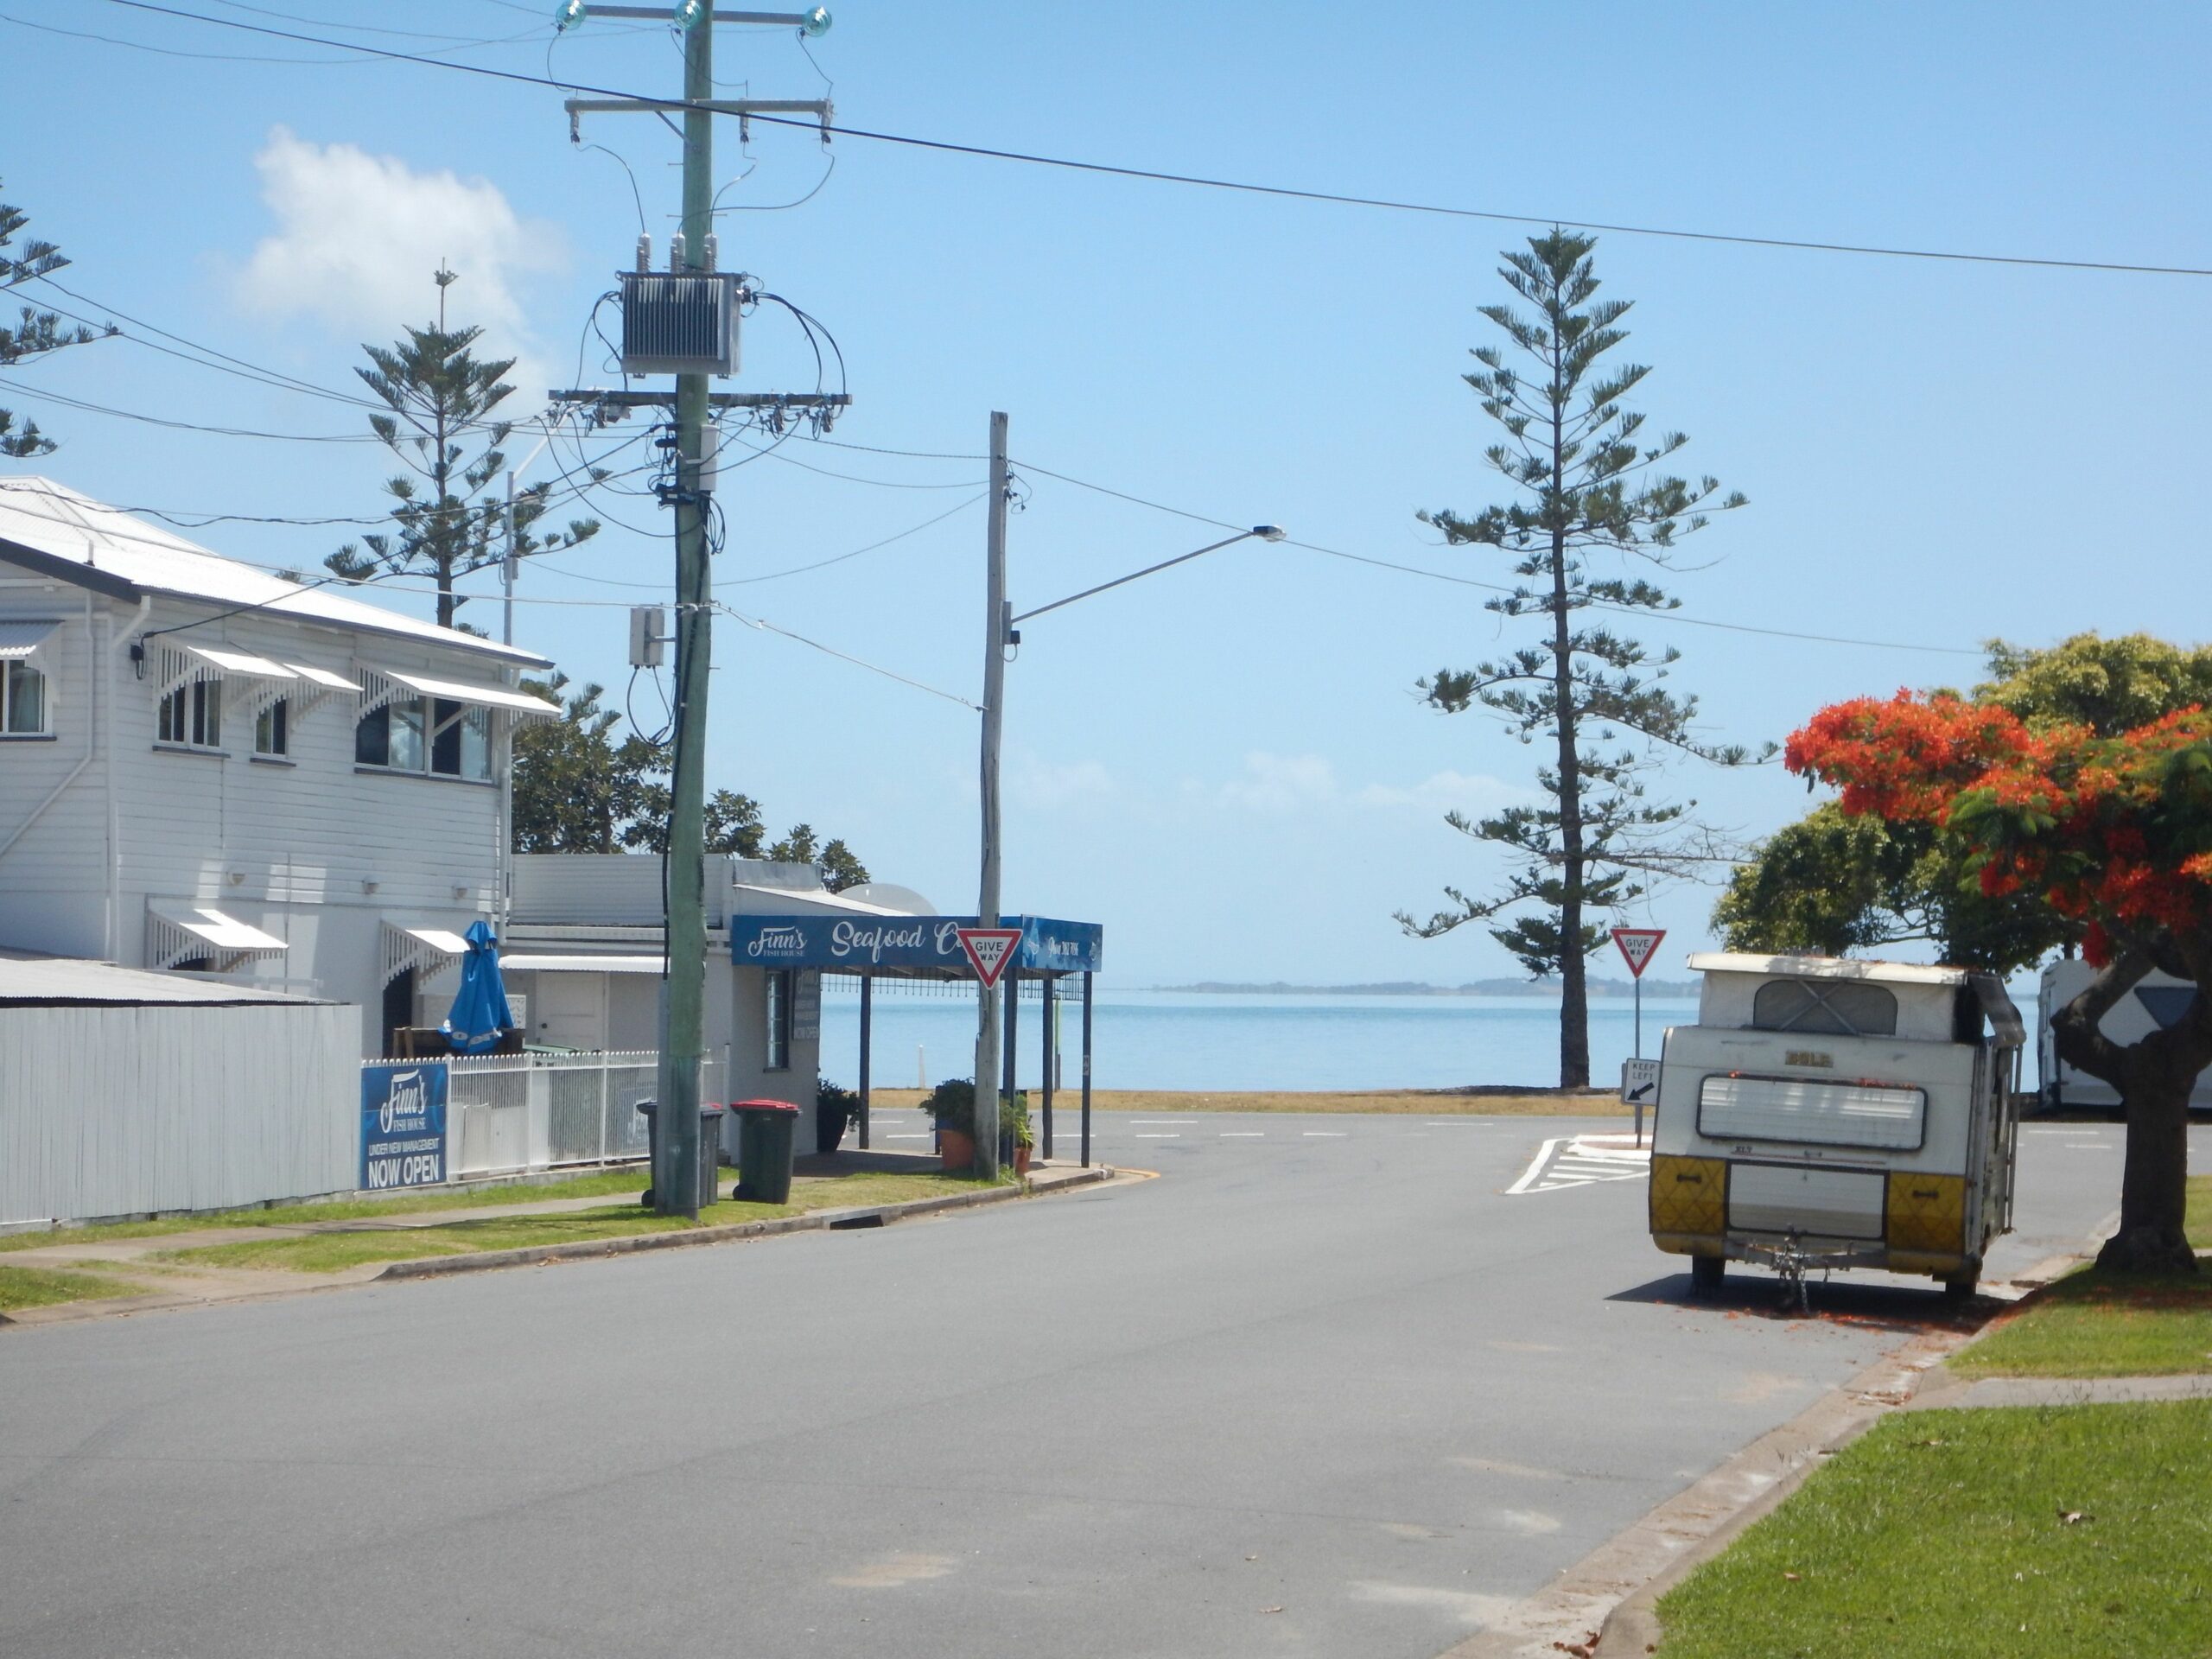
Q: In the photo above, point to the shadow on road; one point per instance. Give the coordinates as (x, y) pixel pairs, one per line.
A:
(1875, 1306)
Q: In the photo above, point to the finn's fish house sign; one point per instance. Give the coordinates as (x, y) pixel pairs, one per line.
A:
(907, 944)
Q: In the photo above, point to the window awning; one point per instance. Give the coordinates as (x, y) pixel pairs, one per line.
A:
(322, 677)
(428, 946)
(182, 930)
(241, 663)
(485, 696)
(19, 641)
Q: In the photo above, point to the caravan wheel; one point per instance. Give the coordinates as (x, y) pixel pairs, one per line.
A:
(1706, 1273)
(1960, 1286)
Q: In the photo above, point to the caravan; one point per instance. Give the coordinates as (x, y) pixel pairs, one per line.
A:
(2158, 1001)
(1828, 1113)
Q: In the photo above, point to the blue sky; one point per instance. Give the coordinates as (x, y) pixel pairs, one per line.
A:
(1225, 764)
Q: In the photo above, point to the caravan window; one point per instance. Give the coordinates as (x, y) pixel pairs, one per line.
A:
(1732, 1106)
(1841, 1007)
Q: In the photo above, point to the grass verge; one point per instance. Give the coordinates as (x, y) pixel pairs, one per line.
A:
(614, 1183)
(44, 1287)
(1422, 1103)
(2198, 1225)
(2026, 1532)
(2091, 1324)
(335, 1252)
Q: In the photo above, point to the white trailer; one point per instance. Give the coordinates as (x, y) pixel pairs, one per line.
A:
(2157, 1000)
(1834, 1113)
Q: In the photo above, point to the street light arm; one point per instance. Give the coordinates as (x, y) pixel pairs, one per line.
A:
(1263, 532)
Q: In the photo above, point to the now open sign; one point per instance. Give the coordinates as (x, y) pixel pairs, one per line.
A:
(403, 1125)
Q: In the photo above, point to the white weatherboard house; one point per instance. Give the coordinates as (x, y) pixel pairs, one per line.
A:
(206, 766)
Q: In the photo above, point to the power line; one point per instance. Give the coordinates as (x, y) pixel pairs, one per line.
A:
(1496, 588)
(17, 388)
(846, 656)
(1203, 182)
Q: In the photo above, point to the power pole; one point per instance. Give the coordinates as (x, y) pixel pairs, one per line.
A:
(677, 1151)
(987, 905)
(675, 1186)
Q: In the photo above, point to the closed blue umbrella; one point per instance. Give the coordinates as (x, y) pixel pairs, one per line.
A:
(479, 1010)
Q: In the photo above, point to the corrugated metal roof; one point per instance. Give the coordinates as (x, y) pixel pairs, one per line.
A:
(59, 524)
(1894, 973)
(34, 981)
(19, 640)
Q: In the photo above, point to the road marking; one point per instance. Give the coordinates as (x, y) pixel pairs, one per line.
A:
(1243, 1135)
(906, 1137)
(1156, 1137)
(1329, 1135)
(1585, 1160)
(1163, 1120)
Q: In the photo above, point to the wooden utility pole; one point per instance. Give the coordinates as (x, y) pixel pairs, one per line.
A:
(987, 903)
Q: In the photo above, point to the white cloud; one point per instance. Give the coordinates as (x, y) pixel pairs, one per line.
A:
(1466, 791)
(1037, 785)
(359, 236)
(1281, 782)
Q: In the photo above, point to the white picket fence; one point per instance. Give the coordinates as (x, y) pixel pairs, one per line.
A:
(509, 1113)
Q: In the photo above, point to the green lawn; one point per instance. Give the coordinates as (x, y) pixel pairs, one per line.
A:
(2069, 1532)
(614, 1183)
(334, 1252)
(43, 1287)
(2200, 1212)
(2091, 1324)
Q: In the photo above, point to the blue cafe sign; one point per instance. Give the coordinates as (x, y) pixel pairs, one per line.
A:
(907, 944)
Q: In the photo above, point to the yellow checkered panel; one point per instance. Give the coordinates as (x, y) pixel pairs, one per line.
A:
(1926, 1212)
(1689, 1195)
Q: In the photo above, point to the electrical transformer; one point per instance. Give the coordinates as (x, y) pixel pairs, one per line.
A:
(680, 322)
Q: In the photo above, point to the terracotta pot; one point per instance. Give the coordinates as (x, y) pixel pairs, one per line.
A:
(1021, 1160)
(957, 1148)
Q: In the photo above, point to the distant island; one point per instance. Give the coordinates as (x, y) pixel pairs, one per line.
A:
(1598, 987)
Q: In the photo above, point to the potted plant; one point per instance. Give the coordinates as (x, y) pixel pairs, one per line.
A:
(1016, 1138)
(951, 1107)
(834, 1109)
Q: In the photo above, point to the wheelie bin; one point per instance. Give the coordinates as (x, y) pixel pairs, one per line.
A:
(710, 1146)
(765, 1133)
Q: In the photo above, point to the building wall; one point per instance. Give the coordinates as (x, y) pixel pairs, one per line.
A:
(310, 848)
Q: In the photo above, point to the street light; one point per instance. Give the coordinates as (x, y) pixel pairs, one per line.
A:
(999, 634)
(1260, 532)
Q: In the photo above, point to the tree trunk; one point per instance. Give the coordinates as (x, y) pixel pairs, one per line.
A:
(2155, 1076)
(1573, 991)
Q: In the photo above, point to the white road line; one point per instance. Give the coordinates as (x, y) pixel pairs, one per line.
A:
(1163, 1120)
(1152, 1137)
(1243, 1135)
(1325, 1135)
(906, 1137)
(1581, 1160)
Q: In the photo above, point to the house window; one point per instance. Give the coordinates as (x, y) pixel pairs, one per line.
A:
(22, 700)
(779, 1021)
(272, 729)
(427, 734)
(192, 715)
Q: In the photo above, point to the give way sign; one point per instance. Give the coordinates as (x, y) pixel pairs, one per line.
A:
(1637, 943)
(989, 950)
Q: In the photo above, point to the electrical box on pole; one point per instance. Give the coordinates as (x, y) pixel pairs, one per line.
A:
(680, 322)
(648, 635)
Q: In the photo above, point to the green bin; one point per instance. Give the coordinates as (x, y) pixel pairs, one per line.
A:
(765, 1133)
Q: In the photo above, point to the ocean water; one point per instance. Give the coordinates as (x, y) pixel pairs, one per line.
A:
(1177, 1039)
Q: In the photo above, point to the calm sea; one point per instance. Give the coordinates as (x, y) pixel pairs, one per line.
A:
(1174, 1039)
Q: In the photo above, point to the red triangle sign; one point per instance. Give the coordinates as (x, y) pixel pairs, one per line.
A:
(1637, 943)
(989, 950)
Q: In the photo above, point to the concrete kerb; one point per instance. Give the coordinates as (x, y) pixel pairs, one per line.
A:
(873, 1215)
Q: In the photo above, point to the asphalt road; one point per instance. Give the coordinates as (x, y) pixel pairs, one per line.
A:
(1322, 1388)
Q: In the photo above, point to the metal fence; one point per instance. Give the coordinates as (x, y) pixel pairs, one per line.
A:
(510, 1112)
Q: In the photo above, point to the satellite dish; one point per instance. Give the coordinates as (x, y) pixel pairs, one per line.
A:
(889, 895)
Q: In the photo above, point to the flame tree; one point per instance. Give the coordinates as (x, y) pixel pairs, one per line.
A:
(2111, 832)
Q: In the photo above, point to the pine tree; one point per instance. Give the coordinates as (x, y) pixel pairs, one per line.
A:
(1590, 491)
(444, 428)
(35, 332)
